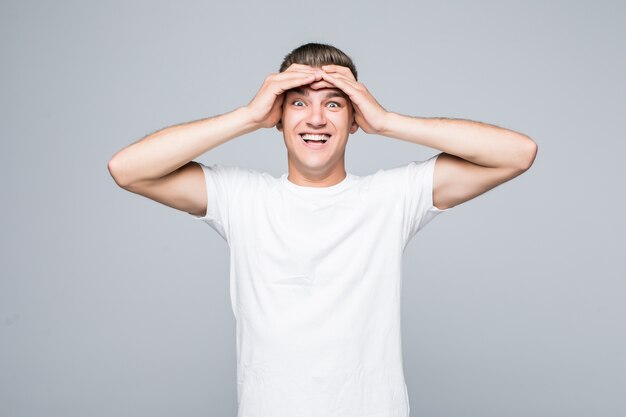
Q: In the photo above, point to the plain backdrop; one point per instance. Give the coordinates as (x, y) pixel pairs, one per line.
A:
(114, 305)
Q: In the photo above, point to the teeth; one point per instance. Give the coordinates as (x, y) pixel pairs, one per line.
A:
(308, 136)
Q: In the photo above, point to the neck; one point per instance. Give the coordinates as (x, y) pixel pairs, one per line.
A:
(314, 178)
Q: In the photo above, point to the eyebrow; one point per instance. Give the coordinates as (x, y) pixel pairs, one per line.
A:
(333, 93)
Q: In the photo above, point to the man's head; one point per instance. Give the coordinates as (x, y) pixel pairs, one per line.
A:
(325, 110)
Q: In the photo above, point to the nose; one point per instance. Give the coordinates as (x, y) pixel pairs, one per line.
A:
(316, 117)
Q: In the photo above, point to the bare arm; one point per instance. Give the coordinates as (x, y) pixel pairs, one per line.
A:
(160, 166)
(480, 143)
(166, 150)
(476, 156)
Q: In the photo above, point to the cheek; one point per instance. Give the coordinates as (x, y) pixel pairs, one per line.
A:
(285, 117)
(340, 118)
(291, 118)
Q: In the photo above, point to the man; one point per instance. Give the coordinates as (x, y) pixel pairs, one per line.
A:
(316, 254)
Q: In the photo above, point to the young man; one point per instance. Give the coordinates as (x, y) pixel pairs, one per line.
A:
(316, 254)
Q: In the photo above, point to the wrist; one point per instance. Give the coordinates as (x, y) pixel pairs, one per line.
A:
(388, 121)
(247, 119)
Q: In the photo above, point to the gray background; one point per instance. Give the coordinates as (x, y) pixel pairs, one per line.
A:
(114, 305)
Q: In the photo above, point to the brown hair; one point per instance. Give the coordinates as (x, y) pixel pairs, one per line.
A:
(316, 55)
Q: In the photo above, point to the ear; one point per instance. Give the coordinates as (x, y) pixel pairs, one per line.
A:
(354, 127)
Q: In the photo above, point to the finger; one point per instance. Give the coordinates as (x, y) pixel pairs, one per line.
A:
(313, 75)
(292, 74)
(339, 69)
(345, 84)
(296, 67)
(301, 70)
(280, 84)
(321, 84)
(340, 76)
(341, 72)
(292, 81)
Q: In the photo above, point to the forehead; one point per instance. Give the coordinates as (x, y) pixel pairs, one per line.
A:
(325, 92)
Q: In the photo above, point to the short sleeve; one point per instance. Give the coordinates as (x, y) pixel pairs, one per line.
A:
(222, 182)
(419, 208)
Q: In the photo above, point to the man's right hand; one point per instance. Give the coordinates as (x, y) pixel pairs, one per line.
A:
(266, 109)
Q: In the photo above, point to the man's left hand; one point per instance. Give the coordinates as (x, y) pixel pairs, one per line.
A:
(368, 113)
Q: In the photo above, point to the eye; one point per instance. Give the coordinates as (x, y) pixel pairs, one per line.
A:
(335, 103)
(297, 101)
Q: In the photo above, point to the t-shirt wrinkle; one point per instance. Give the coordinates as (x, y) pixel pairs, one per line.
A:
(315, 279)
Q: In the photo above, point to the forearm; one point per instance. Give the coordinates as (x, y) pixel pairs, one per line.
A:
(477, 142)
(166, 150)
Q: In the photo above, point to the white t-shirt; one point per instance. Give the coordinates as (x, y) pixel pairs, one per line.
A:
(315, 285)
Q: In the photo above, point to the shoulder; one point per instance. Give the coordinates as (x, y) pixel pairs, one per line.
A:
(230, 171)
(403, 172)
(237, 179)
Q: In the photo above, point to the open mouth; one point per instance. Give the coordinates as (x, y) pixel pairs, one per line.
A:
(314, 141)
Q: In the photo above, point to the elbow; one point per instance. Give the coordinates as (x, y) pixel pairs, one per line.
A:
(114, 172)
(528, 153)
